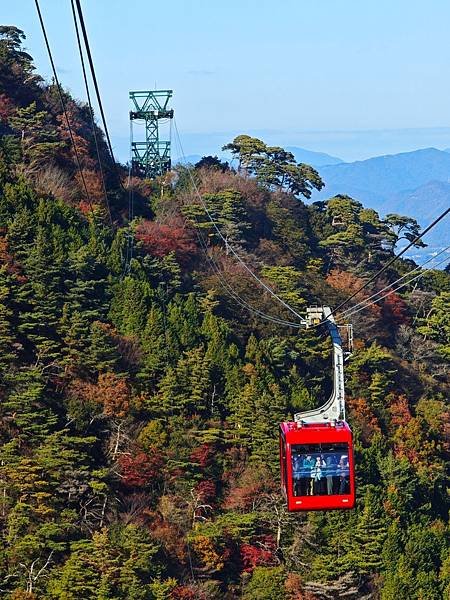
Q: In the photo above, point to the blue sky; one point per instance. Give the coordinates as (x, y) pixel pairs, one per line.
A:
(349, 77)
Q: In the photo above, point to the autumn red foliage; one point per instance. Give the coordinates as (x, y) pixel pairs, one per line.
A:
(162, 239)
(206, 491)
(81, 143)
(6, 258)
(187, 592)
(364, 417)
(139, 470)
(399, 411)
(348, 283)
(252, 488)
(114, 394)
(203, 455)
(111, 391)
(84, 207)
(259, 554)
(170, 537)
(94, 185)
(294, 588)
(395, 310)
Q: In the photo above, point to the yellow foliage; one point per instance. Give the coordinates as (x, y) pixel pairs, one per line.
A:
(206, 554)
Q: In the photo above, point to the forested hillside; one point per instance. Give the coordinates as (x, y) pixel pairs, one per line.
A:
(140, 399)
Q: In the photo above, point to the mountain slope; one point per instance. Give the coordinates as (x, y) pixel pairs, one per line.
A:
(140, 401)
(384, 176)
(427, 201)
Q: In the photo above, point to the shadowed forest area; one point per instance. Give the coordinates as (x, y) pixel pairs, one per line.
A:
(140, 399)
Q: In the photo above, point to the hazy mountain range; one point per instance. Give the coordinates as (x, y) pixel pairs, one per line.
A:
(413, 183)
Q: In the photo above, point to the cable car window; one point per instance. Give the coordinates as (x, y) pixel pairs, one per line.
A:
(320, 469)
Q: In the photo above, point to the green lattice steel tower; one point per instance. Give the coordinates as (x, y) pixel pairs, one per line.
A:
(152, 157)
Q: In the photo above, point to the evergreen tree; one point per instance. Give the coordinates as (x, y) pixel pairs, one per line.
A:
(129, 306)
(29, 406)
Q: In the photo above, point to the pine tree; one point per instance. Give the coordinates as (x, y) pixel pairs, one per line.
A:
(39, 138)
(270, 410)
(187, 388)
(43, 298)
(156, 354)
(102, 354)
(29, 406)
(85, 301)
(183, 324)
(242, 406)
(8, 337)
(369, 536)
(129, 306)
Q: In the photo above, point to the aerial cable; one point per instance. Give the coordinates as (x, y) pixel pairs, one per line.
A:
(359, 308)
(421, 274)
(241, 301)
(229, 289)
(390, 285)
(91, 112)
(64, 109)
(393, 260)
(97, 91)
(229, 246)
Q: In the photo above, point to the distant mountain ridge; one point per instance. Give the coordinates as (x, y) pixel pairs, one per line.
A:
(413, 183)
(384, 176)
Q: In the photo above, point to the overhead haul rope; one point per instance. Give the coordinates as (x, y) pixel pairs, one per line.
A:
(419, 268)
(393, 260)
(229, 246)
(91, 113)
(375, 276)
(130, 240)
(225, 284)
(64, 109)
(359, 308)
(97, 91)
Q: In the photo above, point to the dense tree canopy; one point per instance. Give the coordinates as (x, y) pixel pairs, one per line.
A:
(140, 400)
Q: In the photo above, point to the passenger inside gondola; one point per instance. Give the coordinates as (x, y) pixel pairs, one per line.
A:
(320, 469)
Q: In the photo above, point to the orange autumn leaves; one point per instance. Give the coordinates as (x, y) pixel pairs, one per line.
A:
(111, 392)
(392, 308)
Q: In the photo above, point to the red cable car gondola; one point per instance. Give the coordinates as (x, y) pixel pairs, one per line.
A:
(317, 469)
(316, 449)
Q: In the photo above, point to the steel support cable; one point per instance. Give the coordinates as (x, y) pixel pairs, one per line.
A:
(97, 91)
(353, 312)
(91, 112)
(419, 268)
(393, 260)
(241, 301)
(227, 244)
(64, 109)
(228, 288)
